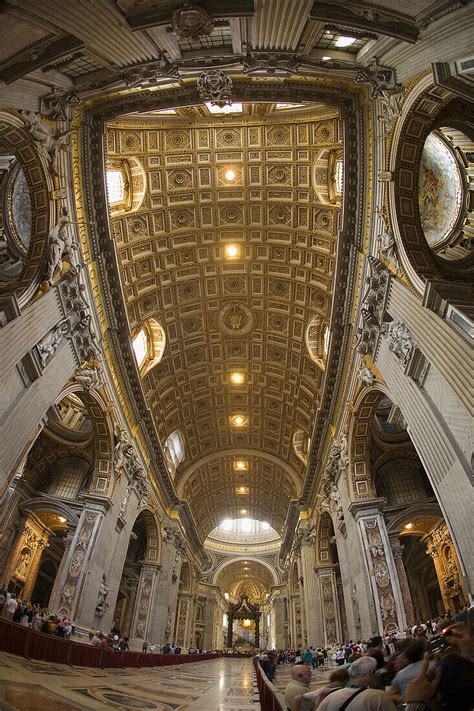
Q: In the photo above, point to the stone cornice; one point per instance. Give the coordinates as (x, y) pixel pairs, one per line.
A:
(350, 244)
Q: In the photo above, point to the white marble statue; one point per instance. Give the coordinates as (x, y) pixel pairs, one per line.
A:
(366, 376)
(50, 343)
(61, 246)
(48, 140)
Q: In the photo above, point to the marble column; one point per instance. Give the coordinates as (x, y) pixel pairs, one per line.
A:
(397, 550)
(182, 624)
(143, 612)
(126, 625)
(332, 633)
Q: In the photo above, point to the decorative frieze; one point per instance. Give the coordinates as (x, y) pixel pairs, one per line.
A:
(190, 21)
(400, 342)
(267, 62)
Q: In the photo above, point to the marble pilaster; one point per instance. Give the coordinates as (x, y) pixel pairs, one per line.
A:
(380, 566)
(332, 631)
(143, 612)
(397, 550)
(311, 596)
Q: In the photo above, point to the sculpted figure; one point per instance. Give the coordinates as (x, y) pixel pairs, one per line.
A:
(49, 141)
(61, 245)
(50, 343)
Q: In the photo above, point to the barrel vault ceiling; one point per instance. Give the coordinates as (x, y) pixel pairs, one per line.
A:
(248, 314)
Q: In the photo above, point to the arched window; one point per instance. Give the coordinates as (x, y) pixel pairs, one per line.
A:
(301, 444)
(126, 181)
(317, 341)
(174, 451)
(149, 345)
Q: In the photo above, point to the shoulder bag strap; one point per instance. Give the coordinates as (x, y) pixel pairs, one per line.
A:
(351, 698)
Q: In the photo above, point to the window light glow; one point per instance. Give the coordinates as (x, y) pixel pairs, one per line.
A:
(241, 465)
(409, 525)
(226, 524)
(233, 108)
(246, 522)
(61, 519)
(345, 41)
(232, 251)
(237, 378)
(115, 186)
(238, 420)
(230, 175)
(140, 347)
(242, 490)
(326, 58)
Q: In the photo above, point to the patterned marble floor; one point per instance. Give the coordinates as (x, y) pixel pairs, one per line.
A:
(216, 685)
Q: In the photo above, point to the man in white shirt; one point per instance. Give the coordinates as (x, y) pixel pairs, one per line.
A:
(361, 696)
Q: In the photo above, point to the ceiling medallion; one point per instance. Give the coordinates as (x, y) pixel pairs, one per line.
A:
(191, 21)
(235, 319)
(216, 87)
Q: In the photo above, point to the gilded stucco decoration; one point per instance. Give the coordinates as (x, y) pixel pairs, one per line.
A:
(248, 313)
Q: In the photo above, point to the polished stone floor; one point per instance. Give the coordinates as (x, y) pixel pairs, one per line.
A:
(216, 685)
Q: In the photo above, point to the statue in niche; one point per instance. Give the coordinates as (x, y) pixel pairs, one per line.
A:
(334, 496)
(23, 563)
(102, 603)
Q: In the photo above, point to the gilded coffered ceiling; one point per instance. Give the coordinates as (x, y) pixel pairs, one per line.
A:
(248, 313)
(245, 575)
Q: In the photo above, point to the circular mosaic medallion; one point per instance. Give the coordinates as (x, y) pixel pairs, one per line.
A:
(235, 319)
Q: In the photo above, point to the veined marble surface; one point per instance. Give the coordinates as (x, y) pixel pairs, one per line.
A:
(215, 685)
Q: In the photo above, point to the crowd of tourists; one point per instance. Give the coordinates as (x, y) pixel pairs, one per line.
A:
(430, 666)
(40, 619)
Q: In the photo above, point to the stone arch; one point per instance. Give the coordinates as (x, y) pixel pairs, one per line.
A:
(252, 558)
(52, 506)
(325, 532)
(15, 139)
(53, 456)
(102, 479)
(419, 117)
(360, 479)
(152, 527)
(316, 339)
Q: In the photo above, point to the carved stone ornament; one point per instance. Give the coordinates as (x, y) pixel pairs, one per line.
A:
(50, 343)
(390, 102)
(216, 87)
(268, 62)
(149, 73)
(55, 105)
(379, 79)
(366, 376)
(386, 241)
(48, 140)
(235, 319)
(372, 308)
(89, 375)
(83, 338)
(400, 342)
(167, 534)
(191, 21)
(336, 465)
